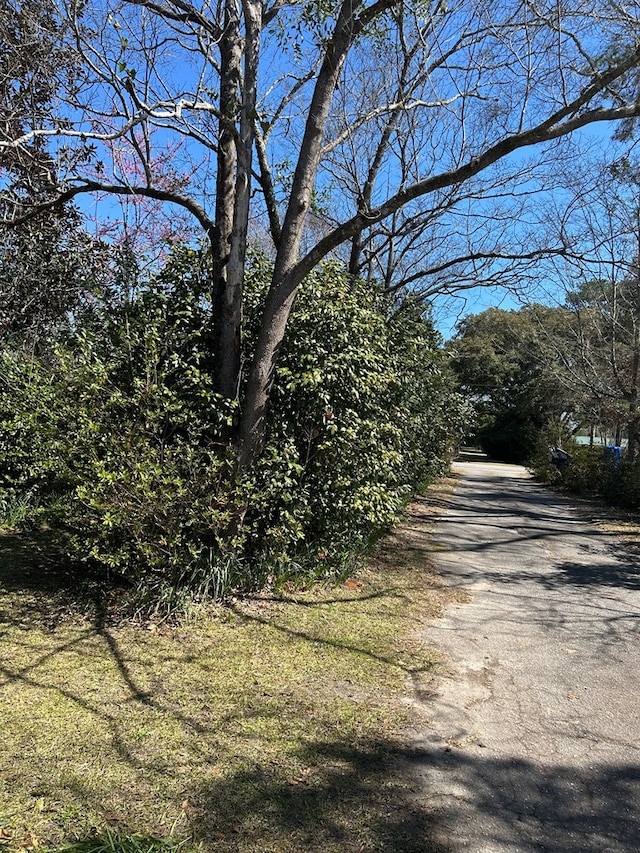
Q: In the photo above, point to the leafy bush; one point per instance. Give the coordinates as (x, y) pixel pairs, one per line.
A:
(125, 422)
(363, 414)
(621, 485)
(584, 470)
(32, 466)
(590, 472)
(144, 428)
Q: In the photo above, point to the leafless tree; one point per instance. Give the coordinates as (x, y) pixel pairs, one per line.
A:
(598, 346)
(199, 104)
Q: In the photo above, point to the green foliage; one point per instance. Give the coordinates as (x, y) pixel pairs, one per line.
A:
(31, 457)
(124, 422)
(48, 268)
(144, 429)
(591, 472)
(582, 473)
(363, 414)
(505, 362)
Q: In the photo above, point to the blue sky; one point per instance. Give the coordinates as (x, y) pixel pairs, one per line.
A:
(596, 141)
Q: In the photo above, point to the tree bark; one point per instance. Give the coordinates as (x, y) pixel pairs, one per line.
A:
(225, 298)
(284, 283)
(632, 430)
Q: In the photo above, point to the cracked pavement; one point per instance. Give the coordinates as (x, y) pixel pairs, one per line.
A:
(534, 736)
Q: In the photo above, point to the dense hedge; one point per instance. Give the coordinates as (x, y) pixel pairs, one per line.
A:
(122, 426)
(589, 472)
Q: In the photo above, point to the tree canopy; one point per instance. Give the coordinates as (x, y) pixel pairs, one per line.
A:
(507, 361)
(533, 369)
(369, 126)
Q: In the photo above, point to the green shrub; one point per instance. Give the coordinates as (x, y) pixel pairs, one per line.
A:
(124, 423)
(363, 414)
(620, 484)
(590, 473)
(152, 499)
(32, 463)
(584, 470)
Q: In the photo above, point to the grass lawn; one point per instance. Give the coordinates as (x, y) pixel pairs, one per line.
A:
(274, 723)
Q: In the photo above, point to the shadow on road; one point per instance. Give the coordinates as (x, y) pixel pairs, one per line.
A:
(522, 513)
(620, 572)
(553, 808)
(550, 808)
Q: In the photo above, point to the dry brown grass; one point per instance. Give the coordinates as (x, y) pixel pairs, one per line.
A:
(271, 724)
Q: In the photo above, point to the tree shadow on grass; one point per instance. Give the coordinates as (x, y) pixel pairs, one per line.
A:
(35, 558)
(385, 797)
(39, 585)
(390, 798)
(350, 798)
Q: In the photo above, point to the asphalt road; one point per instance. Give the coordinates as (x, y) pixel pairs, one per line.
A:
(534, 743)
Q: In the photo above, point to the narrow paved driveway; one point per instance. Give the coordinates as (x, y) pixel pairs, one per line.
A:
(535, 741)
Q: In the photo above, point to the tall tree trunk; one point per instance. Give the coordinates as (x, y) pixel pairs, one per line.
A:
(285, 281)
(634, 391)
(225, 301)
(239, 69)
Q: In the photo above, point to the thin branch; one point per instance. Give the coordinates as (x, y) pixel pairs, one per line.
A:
(92, 186)
(551, 129)
(186, 14)
(479, 256)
